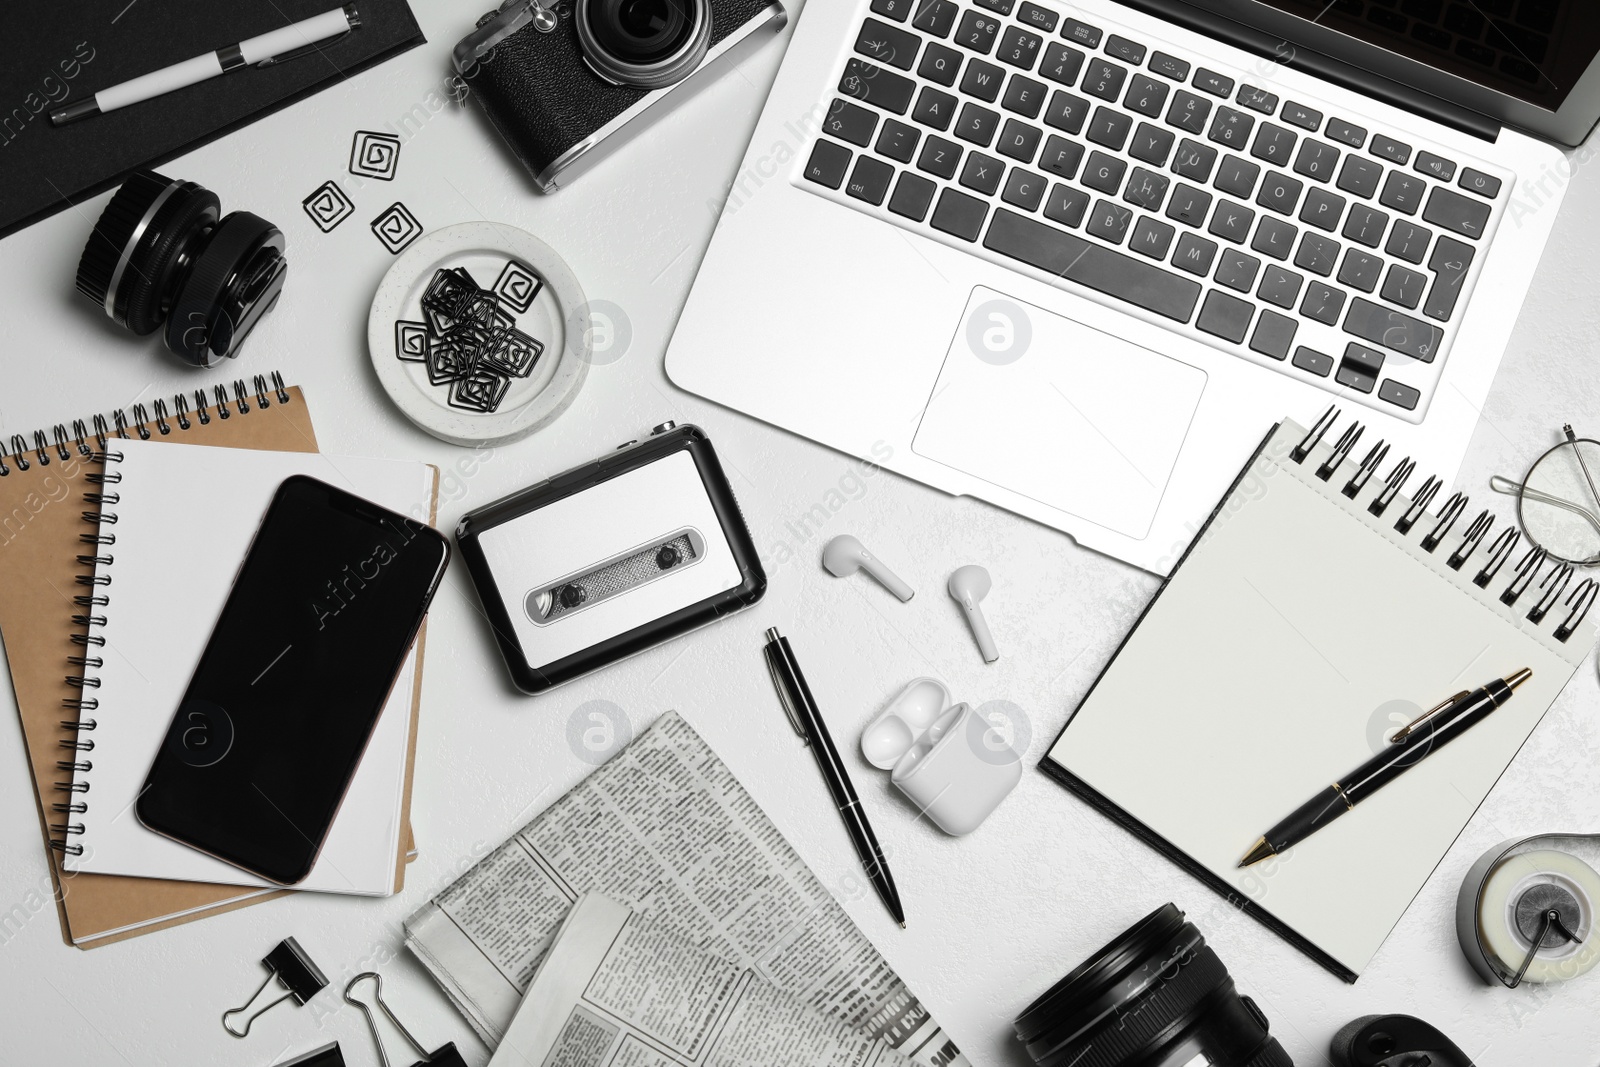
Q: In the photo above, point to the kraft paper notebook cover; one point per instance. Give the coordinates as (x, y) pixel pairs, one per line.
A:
(1300, 630)
(43, 478)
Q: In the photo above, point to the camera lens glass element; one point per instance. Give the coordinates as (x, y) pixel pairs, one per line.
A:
(1156, 996)
(647, 44)
(162, 253)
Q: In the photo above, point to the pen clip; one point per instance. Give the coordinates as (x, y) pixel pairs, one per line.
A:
(303, 50)
(1405, 731)
(783, 694)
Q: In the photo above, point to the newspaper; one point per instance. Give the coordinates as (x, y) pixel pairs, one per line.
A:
(665, 829)
(617, 989)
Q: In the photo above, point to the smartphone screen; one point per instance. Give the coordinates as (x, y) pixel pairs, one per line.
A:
(291, 684)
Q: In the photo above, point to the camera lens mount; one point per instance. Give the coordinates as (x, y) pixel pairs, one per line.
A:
(646, 44)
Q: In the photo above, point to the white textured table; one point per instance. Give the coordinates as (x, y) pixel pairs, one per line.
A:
(995, 918)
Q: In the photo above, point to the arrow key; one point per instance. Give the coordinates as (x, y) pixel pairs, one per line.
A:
(1450, 262)
(1464, 215)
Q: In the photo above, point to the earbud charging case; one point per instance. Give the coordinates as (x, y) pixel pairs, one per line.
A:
(946, 758)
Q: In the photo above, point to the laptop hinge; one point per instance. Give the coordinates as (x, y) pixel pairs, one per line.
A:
(1323, 66)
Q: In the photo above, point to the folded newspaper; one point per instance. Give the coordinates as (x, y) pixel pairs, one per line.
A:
(665, 829)
(618, 988)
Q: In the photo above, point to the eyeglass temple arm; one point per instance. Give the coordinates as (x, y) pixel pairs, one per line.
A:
(1583, 464)
(1501, 484)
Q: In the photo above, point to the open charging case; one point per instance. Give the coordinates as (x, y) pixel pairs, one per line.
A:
(951, 763)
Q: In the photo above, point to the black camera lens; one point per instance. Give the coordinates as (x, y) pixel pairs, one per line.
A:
(1157, 997)
(668, 557)
(572, 595)
(163, 253)
(648, 44)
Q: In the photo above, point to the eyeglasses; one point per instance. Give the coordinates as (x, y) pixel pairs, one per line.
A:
(1558, 500)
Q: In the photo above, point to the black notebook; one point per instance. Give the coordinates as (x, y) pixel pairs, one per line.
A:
(53, 53)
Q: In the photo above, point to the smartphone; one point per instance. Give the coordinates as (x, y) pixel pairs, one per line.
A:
(291, 684)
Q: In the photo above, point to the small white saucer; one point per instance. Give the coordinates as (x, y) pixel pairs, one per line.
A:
(558, 318)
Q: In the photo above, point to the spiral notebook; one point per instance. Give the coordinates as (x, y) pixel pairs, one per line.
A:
(1318, 610)
(151, 519)
(43, 477)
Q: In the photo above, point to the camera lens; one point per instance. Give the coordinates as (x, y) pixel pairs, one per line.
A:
(163, 253)
(1156, 996)
(667, 557)
(572, 595)
(647, 44)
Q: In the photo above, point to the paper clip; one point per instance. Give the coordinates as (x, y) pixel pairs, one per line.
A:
(445, 1055)
(295, 974)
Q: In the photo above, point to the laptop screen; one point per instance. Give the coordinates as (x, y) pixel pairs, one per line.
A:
(1535, 50)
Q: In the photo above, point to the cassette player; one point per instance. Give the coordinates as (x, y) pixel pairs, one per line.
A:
(611, 558)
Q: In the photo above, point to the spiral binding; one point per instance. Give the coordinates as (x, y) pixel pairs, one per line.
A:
(92, 442)
(1551, 585)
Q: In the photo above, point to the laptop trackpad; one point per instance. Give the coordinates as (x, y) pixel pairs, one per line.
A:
(1059, 412)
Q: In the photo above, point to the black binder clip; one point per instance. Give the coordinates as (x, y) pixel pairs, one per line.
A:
(295, 974)
(445, 1055)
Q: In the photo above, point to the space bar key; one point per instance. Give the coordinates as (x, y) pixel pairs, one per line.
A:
(1101, 269)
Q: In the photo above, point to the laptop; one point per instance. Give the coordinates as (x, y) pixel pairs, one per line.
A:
(1075, 259)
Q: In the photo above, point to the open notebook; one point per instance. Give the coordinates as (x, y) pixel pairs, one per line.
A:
(160, 504)
(1298, 632)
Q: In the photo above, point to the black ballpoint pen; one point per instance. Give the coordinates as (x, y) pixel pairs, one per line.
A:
(1410, 746)
(807, 721)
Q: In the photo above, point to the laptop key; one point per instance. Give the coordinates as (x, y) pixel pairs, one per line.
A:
(1151, 238)
(940, 64)
(1449, 263)
(1399, 394)
(1067, 112)
(1390, 149)
(1455, 212)
(1065, 255)
(999, 7)
(1317, 254)
(1317, 160)
(1365, 225)
(1146, 188)
(827, 164)
(1360, 271)
(879, 87)
(1273, 335)
(977, 31)
(1231, 128)
(1408, 241)
(1393, 330)
(1169, 66)
(1434, 166)
(939, 157)
(1402, 192)
(1476, 181)
(1104, 172)
(1323, 304)
(1066, 205)
(1194, 254)
(1194, 160)
(1237, 176)
(899, 10)
(959, 215)
(869, 180)
(1359, 368)
(1403, 287)
(1061, 157)
(1109, 221)
(1189, 205)
(1236, 269)
(1151, 144)
(1024, 189)
(1231, 221)
(1110, 128)
(1274, 144)
(983, 80)
(1304, 117)
(982, 173)
(934, 108)
(1040, 18)
(1082, 32)
(850, 122)
(1189, 112)
(1257, 99)
(977, 124)
(1226, 316)
(1104, 79)
(935, 17)
(1024, 96)
(1018, 140)
(1018, 47)
(1360, 176)
(1347, 133)
(1322, 209)
(897, 141)
(1146, 96)
(1061, 63)
(1309, 359)
(1280, 286)
(1280, 193)
(1275, 238)
(1125, 50)
(1211, 82)
(888, 44)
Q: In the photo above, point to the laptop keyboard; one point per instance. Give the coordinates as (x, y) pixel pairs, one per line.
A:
(1267, 226)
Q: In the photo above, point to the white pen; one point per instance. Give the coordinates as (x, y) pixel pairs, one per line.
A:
(272, 47)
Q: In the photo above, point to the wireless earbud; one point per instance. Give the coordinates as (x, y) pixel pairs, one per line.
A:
(844, 555)
(969, 585)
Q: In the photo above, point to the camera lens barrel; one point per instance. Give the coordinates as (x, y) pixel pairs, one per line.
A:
(1156, 996)
(647, 44)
